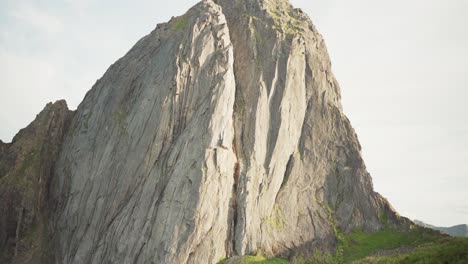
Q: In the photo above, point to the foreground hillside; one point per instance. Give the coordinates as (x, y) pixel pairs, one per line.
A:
(219, 134)
(419, 245)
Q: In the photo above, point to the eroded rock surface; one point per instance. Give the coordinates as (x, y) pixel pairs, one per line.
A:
(26, 169)
(220, 133)
(147, 174)
(301, 172)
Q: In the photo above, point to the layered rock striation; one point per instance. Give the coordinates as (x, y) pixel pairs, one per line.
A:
(26, 171)
(220, 133)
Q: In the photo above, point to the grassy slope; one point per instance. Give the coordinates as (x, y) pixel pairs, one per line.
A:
(358, 245)
(421, 245)
(448, 250)
(257, 260)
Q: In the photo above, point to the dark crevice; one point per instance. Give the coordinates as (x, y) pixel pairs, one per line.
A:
(233, 206)
(239, 112)
(18, 229)
(287, 172)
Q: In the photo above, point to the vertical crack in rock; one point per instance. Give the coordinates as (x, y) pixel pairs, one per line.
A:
(236, 147)
(183, 151)
(18, 229)
(178, 133)
(233, 205)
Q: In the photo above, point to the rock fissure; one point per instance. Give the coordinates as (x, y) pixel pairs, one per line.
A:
(18, 229)
(233, 103)
(233, 204)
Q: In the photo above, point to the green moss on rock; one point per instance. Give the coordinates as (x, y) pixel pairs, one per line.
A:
(179, 23)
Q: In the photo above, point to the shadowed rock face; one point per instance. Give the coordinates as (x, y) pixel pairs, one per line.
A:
(299, 156)
(26, 169)
(220, 133)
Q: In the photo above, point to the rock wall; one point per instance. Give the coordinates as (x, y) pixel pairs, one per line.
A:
(220, 133)
(26, 170)
(147, 173)
(301, 170)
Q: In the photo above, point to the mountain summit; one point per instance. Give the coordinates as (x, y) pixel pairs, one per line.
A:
(220, 133)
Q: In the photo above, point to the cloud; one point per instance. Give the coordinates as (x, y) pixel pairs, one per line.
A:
(25, 87)
(78, 5)
(36, 18)
(462, 211)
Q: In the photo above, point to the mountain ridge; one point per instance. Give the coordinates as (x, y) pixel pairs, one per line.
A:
(221, 133)
(456, 230)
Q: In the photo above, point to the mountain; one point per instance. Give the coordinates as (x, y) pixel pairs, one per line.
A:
(221, 133)
(455, 231)
(26, 170)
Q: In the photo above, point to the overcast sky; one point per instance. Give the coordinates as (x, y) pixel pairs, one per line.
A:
(402, 66)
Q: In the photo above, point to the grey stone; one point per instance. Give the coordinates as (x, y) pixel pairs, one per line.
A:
(221, 133)
(26, 170)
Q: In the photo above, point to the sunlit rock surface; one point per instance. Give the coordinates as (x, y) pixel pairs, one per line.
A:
(220, 133)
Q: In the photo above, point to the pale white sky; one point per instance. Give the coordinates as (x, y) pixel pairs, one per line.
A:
(402, 66)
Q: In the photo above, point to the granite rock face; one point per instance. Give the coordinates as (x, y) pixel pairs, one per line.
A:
(147, 174)
(220, 133)
(26, 170)
(300, 158)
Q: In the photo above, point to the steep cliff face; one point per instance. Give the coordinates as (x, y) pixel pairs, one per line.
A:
(220, 133)
(147, 174)
(26, 169)
(299, 156)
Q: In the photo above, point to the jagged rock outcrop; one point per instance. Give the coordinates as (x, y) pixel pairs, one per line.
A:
(300, 157)
(220, 133)
(26, 169)
(147, 174)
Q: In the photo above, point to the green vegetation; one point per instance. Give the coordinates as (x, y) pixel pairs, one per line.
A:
(358, 245)
(259, 259)
(21, 188)
(179, 23)
(387, 246)
(285, 20)
(418, 245)
(384, 218)
(447, 250)
(20, 179)
(276, 219)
